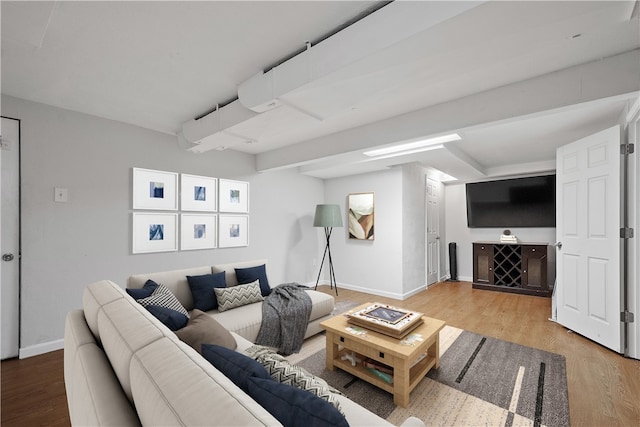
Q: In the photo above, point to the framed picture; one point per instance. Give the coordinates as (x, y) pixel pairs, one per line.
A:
(155, 232)
(198, 193)
(155, 190)
(233, 231)
(198, 231)
(234, 196)
(361, 216)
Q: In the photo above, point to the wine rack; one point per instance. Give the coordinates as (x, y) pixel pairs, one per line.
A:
(507, 265)
(517, 268)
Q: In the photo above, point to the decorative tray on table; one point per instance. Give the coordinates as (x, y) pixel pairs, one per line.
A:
(386, 319)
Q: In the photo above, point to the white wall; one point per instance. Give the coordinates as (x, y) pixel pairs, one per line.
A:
(457, 231)
(65, 246)
(394, 264)
(372, 266)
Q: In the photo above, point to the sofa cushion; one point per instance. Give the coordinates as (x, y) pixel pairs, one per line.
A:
(235, 366)
(163, 297)
(172, 319)
(292, 406)
(126, 327)
(174, 386)
(203, 329)
(251, 274)
(144, 291)
(238, 296)
(321, 304)
(175, 280)
(95, 296)
(202, 290)
(95, 393)
(230, 269)
(245, 320)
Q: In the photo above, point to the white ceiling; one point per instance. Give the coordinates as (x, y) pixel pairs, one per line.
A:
(492, 67)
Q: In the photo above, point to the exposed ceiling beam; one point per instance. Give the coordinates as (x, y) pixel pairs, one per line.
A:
(616, 75)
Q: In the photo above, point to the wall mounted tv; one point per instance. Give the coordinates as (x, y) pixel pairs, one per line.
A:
(519, 202)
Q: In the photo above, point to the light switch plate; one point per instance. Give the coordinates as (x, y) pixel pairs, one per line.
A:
(61, 195)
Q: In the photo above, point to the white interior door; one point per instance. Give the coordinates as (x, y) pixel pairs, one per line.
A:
(433, 231)
(588, 226)
(10, 237)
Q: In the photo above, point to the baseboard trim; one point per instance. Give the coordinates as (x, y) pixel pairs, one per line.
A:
(38, 349)
(393, 295)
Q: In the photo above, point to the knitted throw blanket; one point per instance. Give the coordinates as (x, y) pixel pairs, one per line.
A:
(285, 316)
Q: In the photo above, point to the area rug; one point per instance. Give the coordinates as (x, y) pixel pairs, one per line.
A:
(481, 381)
(345, 305)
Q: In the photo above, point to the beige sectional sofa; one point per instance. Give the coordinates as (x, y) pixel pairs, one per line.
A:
(245, 320)
(123, 367)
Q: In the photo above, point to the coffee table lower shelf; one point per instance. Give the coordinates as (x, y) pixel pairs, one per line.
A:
(416, 372)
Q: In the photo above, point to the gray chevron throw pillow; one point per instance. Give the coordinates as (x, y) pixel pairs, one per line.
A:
(237, 296)
(282, 371)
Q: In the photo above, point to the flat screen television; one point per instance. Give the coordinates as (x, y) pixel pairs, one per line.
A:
(519, 202)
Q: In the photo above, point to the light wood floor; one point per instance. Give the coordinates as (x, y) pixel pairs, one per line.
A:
(604, 387)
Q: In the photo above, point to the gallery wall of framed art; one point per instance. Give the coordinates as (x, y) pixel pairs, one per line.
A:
(213, 213)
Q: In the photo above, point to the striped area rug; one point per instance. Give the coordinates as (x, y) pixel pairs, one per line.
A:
(481, 381)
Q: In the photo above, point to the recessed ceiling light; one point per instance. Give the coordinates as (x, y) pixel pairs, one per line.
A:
(410, 147)
(404, 153)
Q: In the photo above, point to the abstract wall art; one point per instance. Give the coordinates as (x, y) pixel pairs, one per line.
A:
(233, 231)
(198, 231)
(154, 232)
(234, 196)
(361, 216)
(155, 190)
(198, 193)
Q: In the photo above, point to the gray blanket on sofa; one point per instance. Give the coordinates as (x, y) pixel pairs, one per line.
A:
(285, 316)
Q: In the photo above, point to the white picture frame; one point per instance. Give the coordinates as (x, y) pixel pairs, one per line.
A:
(233, 231)
(198, 193)
(154, 232)
(198, 231)
(234, 196)
(155, 190)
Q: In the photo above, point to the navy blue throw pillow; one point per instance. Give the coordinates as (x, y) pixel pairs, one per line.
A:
(251, 274)
(293, 406)
(144, 291)
(235, 366)
(172, 319)
(204, 298)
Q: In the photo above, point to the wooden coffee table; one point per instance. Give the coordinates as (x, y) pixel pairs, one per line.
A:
(385, 350)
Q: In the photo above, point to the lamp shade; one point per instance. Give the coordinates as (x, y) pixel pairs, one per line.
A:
(327, 216)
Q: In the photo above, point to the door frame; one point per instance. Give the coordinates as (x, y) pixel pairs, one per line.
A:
(426, 228)
(19, 249)
(629, 251)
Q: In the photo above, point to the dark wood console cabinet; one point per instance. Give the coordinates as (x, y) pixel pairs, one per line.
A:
(507, 267)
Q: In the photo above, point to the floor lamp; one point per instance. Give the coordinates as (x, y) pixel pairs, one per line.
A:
(328, 216)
